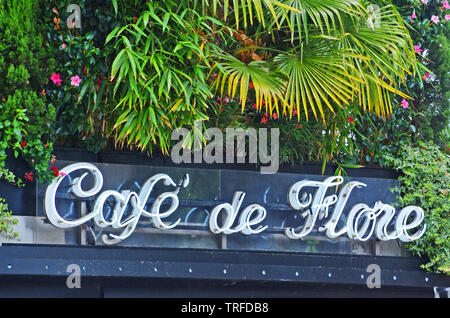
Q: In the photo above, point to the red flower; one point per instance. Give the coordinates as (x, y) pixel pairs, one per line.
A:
(135, 19)
(263, 121)
(55, 171)
(43, 92)
(275, 116)
(23, 144)
(294, 113)
(85, 70)
(299, 126)
(255, 106)
(29, 176)
(251, 85)
(266, 115)
(351, 120)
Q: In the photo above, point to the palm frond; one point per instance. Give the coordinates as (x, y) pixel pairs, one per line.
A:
(324, 15)
(268, 85)
(318, 76)
(249, 8)
(388, 47)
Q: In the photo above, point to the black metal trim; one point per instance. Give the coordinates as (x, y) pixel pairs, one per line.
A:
(16, 260)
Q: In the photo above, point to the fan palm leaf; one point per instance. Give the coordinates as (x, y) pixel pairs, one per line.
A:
(390, 55)
(325, 15)
(318, 77)
(268, 85)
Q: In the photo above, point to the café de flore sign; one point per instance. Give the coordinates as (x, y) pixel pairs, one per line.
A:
(319, 205)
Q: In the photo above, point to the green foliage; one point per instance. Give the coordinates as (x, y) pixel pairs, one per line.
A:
(10, 177)
(300, 140)
(431, 96)
(433, 106)
(7, 221)
(374, 137)
(25, 117)
(160, 73)
(226, 113)
(425, 182)
(82, 119)
(80, 109)
(334, 58)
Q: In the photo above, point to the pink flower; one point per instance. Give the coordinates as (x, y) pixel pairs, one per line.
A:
(445, 5)
(226, 99)
(275, 116)
(425, 1)
(435, 19)
(76, 80)
(63, 46)
(447, 17)
(56, 78)
(405, 103)
(418, 49)
(413, 15)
